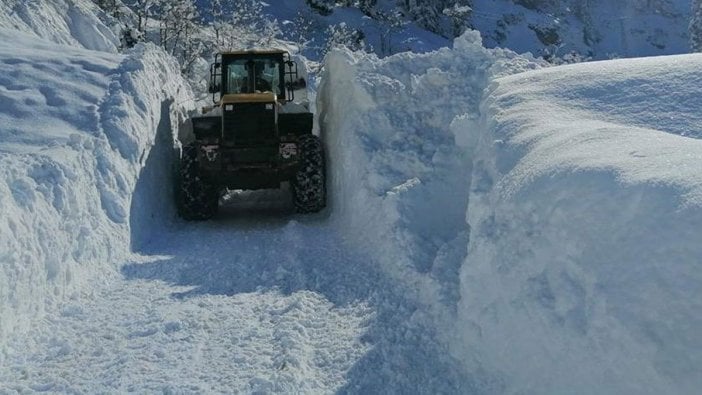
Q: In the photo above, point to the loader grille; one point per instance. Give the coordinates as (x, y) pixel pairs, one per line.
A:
(249, 123)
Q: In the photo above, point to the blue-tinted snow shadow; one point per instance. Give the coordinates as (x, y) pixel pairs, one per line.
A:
(152, 206)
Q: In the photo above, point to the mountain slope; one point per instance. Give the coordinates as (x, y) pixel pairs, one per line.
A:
(68, 22)
(598, 29)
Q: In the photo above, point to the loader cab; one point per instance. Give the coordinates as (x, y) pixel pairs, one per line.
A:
(259, 71)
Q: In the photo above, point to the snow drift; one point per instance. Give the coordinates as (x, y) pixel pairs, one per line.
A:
(546, 221)
(69, 22)
(67, 187)
(584, 258)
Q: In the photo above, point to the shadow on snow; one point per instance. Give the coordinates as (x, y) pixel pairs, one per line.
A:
(254, 247)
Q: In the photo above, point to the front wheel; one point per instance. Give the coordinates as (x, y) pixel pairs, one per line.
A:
(308, 185)
(198, 199)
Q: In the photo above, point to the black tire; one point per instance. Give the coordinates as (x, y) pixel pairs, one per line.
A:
(197, 199)
(309, 184)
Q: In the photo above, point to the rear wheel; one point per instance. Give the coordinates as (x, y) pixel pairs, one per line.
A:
(308, 186)
(198, 199)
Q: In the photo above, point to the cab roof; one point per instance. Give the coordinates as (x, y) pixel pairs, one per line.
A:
(267, 51)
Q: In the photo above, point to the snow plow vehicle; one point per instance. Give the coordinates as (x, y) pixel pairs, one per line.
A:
(255, 136)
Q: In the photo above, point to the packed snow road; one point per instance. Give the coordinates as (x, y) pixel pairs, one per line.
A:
(257, 301)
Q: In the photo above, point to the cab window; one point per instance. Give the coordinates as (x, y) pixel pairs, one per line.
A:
(248, 76)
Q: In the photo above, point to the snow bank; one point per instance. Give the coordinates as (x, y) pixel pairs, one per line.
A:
(77, 130)
(70, 22)
(549, 230)
(400, 159)
(583, 269)
(392, 154)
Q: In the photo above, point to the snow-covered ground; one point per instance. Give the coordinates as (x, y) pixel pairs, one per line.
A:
(494, 227)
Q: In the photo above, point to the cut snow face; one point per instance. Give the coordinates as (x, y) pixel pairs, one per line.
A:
(583, 266)
(400, 154)
(53, 215)
(77, 128)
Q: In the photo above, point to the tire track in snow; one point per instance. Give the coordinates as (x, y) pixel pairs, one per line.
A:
(255, 301)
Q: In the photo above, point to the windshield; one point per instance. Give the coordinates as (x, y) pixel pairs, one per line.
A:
(249, 76)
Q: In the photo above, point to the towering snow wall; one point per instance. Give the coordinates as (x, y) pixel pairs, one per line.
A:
(583, 273)
(547, 221)
(85, 139)
(393, 156)
(399, 133)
